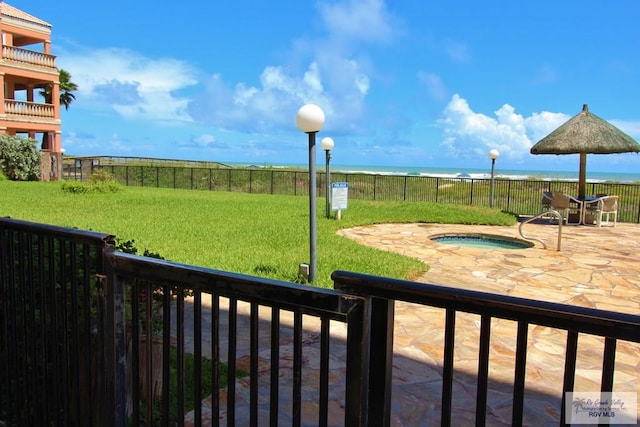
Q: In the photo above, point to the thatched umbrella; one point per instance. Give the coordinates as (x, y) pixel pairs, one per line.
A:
(585, 134)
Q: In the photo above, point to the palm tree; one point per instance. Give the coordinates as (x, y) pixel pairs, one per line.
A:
(67, 87)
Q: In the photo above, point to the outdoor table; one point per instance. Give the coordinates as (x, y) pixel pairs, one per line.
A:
(584, 204)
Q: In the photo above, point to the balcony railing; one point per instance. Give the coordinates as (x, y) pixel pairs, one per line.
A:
(28, 109)
(74, 317)
(600, 330)
(28, 57)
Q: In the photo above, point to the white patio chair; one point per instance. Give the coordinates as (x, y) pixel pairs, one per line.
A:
(591, 207)
(607, 205)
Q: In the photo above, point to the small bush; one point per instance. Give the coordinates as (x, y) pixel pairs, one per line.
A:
(75, 187)
(93, 187)
(19, 158)
(101, 176)
(106, 187)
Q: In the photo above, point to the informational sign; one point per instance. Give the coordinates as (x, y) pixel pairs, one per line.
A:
(339, 196)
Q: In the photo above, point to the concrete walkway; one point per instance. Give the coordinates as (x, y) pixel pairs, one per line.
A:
(597, 267)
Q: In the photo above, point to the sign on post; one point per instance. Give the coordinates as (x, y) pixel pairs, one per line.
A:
(339, 196)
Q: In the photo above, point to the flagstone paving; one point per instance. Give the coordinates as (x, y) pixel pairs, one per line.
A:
(597, 267)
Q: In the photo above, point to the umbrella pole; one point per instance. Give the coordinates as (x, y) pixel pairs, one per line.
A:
(582, 177)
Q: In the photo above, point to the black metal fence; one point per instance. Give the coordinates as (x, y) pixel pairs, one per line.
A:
(90, 336)
(615, 328)
(211, 320)
(517, 196)
(52, 302)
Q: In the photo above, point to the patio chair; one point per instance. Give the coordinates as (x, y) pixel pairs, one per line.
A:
(591, 207)
(545, 203)
(607, 205)
(561, 202)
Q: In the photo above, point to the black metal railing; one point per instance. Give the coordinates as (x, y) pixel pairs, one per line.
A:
(91, 336)
(511, 195)
(217, 299)
(576, 321)
(51, 298)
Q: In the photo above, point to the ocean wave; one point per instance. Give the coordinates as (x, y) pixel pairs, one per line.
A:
(468, 174)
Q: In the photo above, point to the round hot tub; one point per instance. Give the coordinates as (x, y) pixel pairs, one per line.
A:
(481, 241)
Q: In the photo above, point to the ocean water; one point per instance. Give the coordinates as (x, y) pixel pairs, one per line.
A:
(499, 173)
(621, 177)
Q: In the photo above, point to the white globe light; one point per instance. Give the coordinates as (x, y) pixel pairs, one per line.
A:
(310, 118)
(326, 144)
(493, 154)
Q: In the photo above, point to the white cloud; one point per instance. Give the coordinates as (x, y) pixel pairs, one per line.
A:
(335, 75)
(364, 20)
(135, 86)
(335, 79)
(541, 124)
(468, 134)
(457, 51)
(258, 109)
(434, 84)
(88, 144)
(628, 127)
(204, 141)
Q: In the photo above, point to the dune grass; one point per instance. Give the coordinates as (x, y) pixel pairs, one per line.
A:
(257, 234)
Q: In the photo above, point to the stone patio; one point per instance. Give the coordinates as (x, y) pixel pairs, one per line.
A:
(597, 267)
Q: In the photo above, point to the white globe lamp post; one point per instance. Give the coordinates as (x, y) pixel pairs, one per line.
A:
(310, 119)
(493, 155)
(327, 145)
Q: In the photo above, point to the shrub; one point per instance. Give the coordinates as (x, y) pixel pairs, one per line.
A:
(101, 175)
(75, 187)
(99, 182)
(19, 158)
(106, 187)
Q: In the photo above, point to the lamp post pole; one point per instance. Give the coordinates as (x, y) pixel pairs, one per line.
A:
(312, 208)
(310, 119)
(493, 155)
(327, 145)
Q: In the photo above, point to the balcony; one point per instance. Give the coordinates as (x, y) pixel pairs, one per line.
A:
(28, 58)
(26, 109)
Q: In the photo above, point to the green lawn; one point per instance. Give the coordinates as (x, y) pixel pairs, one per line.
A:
(262, 235)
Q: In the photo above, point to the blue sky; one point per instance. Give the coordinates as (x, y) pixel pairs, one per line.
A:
(405, 83)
